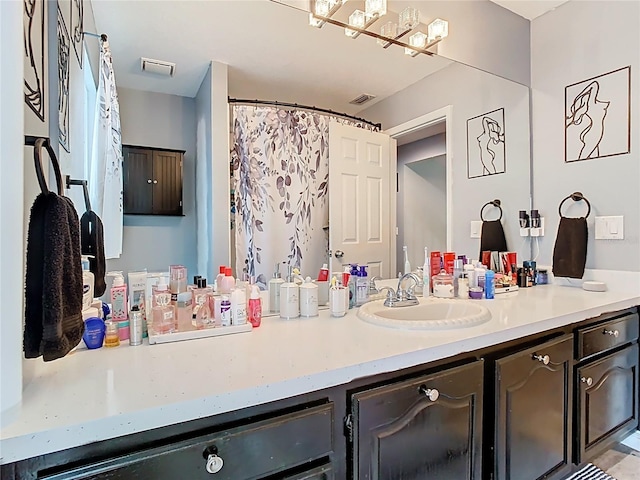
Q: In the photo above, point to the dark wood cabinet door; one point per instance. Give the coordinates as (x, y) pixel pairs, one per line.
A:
(138, 180)
(167, 183)
(419, 429)
(534, 412)
(607, 401)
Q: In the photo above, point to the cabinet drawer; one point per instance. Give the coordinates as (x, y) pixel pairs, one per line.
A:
(607, 396)
(248, 452)
(605, 336)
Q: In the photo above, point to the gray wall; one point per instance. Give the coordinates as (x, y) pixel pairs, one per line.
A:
(422, 206)
(471, 93)
(163, 121)
(577, 41)
(486, 36)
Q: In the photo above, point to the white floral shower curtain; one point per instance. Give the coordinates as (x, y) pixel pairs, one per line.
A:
(281, 173)
(105, 180)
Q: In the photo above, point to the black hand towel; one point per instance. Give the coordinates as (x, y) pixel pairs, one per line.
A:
(492, 238)
(570, 250)
(53, 310)
(92, 243)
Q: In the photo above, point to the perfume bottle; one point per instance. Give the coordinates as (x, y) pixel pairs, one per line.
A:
(202, 312)
(164, 314)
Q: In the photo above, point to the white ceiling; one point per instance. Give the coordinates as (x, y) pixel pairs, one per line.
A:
(529, 9)
(272, 52)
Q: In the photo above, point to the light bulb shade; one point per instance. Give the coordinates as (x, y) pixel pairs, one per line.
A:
(323, 7)
(389, 30)
(356, 19)
(438, 29)
(409, 18)
(418, 40)
(375, 8)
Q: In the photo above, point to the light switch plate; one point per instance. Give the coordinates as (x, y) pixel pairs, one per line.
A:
(476, 228)
(609, 228)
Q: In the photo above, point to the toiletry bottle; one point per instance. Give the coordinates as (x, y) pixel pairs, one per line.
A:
(449, 259)
(228, 282)
(202, 314)
(184, 311)
(177, 281)
(135, 326)
(407, 265)
(118, 296)
(480, 276)
(289, 297)
(220, 277)
(337, 299)
(87, 283)
(255, 307)
(111, 338)
(225, 311)
(239, 306)
(274, 290)
(463, 286)
(489, 284)
(308, 299)
(426, 274)
(362, 286)
(346, 278)
(436, 265)
(323, 276)
(458, 269)
(137, 291)
(470, 270)
(352, 286)
(163, 313)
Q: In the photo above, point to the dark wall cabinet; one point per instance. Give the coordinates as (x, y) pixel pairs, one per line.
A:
(152, 181)
(533, 408)
(428, 427)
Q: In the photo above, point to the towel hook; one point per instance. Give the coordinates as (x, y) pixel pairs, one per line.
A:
(37, 158)
(576, 197)
(496, 203)
(70, 181)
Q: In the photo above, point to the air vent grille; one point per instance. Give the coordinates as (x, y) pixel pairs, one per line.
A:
(363, 98)
(159, 67)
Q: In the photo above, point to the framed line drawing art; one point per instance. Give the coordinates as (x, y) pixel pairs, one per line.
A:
(34, 73)
(598, 116)
(486, 152)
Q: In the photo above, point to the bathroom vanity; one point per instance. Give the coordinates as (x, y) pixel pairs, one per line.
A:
(545, 385)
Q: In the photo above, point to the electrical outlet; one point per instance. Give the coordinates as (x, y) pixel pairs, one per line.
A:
(476, 228)
(610, 228)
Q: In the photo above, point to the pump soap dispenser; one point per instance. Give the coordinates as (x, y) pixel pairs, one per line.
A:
(274, 290)
(289, 297)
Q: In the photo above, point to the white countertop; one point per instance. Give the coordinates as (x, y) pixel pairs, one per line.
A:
(100, 394)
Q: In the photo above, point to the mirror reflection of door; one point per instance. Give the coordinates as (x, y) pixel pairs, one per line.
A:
(360, 199)
(422, 193)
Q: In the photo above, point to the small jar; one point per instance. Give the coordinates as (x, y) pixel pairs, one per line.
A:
(112, 338)
(542, 278)
(443, 285)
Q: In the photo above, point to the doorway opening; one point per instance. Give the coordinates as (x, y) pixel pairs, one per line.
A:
(424, 179)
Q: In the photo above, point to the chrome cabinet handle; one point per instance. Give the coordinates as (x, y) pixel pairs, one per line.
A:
(587, 380)
(214, 462)
(613, 333)
(339, 254)
(431, 393)
(149, 180)
(544, 359)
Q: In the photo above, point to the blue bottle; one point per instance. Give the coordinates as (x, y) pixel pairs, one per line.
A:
(353, 278)
(362, 286)
(489, 284)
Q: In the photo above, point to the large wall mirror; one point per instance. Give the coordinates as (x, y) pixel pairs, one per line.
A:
(462, 133)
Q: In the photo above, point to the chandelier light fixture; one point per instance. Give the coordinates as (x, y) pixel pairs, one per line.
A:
(390, 33)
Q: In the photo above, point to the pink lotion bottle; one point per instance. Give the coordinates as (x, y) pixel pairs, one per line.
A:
(255, 307)
(118, 296)
(220, 278)
(164, 314)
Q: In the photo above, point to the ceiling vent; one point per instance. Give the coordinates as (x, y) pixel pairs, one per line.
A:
(360, 99)
(159, 67)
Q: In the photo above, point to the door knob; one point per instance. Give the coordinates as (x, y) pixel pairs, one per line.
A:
(431, 393)
(339, 254)
(587, 380)
(149, 180)
(544, 359)
(613, 333)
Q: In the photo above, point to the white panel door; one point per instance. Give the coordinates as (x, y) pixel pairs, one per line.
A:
(360, 200)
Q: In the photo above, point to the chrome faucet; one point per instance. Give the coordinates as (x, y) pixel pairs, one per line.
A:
(402, 297)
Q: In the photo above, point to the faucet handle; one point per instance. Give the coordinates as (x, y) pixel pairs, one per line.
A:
(372, 286)
(391, 296)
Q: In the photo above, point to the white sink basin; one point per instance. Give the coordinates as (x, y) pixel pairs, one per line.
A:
(431, 314)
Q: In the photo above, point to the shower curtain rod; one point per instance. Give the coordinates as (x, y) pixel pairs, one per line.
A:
(304, 107)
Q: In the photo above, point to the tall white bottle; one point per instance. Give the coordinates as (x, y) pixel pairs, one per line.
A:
(426, 274)
(274, 290)
(407, 265)
(239, 305)
(289, 297)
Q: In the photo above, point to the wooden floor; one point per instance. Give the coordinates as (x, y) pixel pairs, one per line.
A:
(623, 460)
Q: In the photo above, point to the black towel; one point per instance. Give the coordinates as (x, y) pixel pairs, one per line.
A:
(53, 296)
(570, 250)
(92, 243)
(492, 238)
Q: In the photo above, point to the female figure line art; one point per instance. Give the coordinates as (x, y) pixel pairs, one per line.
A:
(491, 135)
(588, 113)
